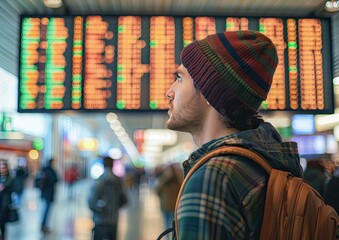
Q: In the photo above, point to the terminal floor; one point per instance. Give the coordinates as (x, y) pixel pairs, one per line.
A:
(70, 218)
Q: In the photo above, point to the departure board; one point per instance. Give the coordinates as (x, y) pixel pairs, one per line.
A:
(127, 63)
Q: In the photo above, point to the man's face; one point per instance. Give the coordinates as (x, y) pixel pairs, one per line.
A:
(3, 169)
(186, 103)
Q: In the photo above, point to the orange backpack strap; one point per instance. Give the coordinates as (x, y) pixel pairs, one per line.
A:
(223, 150)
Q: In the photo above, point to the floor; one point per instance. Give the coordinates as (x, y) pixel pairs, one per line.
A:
(70, 217)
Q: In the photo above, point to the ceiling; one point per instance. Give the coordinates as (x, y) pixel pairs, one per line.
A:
(10, 11)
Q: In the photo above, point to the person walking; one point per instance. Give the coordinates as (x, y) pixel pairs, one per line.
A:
(317, 174)
(216, 96)
(107, 196)
(7, 188)
(49, 179)
(21, 175)
(71, 176)
(331, 193)
(170, 178)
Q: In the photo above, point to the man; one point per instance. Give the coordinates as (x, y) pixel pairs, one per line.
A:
(316, 175)
(169, 181)
(331, 193)
(107, 196)
(218, 90)
(49, 178)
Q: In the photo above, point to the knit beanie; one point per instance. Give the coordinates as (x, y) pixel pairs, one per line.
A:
(237, 66)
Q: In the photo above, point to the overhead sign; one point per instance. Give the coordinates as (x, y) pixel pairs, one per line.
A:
(95, 62)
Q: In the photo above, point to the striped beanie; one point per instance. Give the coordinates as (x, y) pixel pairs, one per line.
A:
(237, 66)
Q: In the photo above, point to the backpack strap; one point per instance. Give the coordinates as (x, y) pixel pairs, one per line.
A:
(223, 150)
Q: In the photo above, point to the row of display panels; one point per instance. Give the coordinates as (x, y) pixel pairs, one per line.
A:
(94, 62)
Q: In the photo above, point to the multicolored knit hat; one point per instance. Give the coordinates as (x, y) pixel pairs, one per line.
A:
(232, 65)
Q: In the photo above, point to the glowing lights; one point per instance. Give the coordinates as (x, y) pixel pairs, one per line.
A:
(311, 64)
(233, 24)
(33, 154)
(53, 3)
(88, 144)
(293, 71)
(188, 34)
(30, 31)
(96, 170)
(204, 27)
(77, 59)
(123, 137)
(162, 60)
(38, 144)
(127, 62)
(115, 153)
(274, 29)
(332, 6)
(55, 64)
(130, 69)
(98, 77)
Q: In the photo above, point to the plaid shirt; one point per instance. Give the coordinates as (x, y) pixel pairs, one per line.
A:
(224, 198)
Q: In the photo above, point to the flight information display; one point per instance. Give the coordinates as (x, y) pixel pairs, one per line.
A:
(94, 62)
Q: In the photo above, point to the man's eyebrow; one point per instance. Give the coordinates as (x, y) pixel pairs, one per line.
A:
(179, 71)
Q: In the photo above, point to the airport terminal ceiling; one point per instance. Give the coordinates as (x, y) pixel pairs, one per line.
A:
(12, 9)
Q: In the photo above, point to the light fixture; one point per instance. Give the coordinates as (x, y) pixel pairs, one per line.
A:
(332, 6)
(53, 3)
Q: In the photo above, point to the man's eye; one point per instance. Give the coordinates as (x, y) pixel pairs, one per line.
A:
(177, 77)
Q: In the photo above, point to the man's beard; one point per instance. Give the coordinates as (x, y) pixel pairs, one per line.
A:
(188, 118)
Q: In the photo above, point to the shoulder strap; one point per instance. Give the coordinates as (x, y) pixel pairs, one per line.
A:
(223, 150)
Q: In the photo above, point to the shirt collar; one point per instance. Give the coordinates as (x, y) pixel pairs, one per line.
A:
(207, 147)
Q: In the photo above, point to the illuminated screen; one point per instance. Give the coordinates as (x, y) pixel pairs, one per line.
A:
(303, 124)
(316, 144)
(309, 145)
(92, 63)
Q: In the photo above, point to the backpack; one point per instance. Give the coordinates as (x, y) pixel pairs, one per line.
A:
(110, 195)
(293, 209)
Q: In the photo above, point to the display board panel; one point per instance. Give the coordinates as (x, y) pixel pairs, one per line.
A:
(94, 62)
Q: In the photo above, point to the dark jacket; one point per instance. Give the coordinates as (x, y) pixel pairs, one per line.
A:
(331, 193)
(20, 178)
(49, 181)
(168, 187)
(316, 178)
(5, 197)
(106, 198)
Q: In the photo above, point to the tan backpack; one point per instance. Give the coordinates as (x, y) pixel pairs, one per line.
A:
(293, 209)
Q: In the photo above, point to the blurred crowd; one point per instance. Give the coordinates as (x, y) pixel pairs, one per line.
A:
(165, 180)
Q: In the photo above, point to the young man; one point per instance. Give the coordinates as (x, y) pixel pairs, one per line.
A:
(48, 188)
(106, 198)
(218, 90)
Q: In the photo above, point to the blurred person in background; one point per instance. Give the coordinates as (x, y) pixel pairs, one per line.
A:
(107, 196)
(7, 188)
(49, 179)
(332, 191)
(71, 175)
(330, 168)
(169, 179)
(316, 175)
(21, 174)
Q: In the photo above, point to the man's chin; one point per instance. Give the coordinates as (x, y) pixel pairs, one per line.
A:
(175, 127)
(170, 125)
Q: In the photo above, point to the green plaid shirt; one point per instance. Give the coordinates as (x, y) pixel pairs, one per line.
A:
(224, 198)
